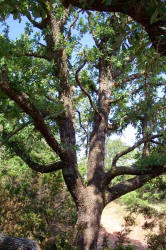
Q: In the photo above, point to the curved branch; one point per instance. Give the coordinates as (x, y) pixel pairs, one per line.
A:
(114, 170)
(72, 24)
(79, 116)
(19, 150)
(22, 100)
(41, 25)
(138, 11)
(132, 184)
(129, 149)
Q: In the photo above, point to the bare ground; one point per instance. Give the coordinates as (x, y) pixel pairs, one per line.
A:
(131, 230)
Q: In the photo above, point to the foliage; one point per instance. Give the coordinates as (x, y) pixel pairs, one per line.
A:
(34, 205)
(113, 147)
(155, 159)
(132, 200)
(122, 247)
(154, 191)
(60, 96)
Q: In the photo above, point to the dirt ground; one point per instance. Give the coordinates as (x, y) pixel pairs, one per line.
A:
(116, 228)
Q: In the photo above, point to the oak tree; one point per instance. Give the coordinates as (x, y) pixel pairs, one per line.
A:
(60, 92)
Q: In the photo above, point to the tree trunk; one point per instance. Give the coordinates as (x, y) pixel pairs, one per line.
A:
(88, 220)
(91, 206)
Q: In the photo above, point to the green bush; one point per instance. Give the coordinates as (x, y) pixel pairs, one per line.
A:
(132, 200)
(35, 206)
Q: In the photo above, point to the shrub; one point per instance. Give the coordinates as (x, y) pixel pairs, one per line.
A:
(36, 206)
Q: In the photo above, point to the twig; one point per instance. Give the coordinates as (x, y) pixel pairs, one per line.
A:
(13, 133)
(84, 90)
(129, 149)
(91, 29)
(79, 116)
(72, 24)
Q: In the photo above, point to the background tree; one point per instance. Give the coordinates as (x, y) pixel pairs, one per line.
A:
(113, 147)
(42, 89)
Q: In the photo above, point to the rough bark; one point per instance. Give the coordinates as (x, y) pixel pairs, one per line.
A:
(97, 140)
(88, 221)
(65, 120)
(89, 212)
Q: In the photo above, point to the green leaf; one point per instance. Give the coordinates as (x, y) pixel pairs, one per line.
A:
(153, 18)
(108, 2)
(163, 28)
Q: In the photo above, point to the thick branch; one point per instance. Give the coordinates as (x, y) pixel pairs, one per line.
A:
(113, 126)
(136, 91)
(33, 165)
(110, 174)
(138, 11)
(31, 54)
(37, 55)
(22, 100)
(123, 170)
(41, 25)
(51, 98)
(132, 184)
(130, 78)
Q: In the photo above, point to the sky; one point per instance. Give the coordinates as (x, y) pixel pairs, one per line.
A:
(128, 136)
(16, 28)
